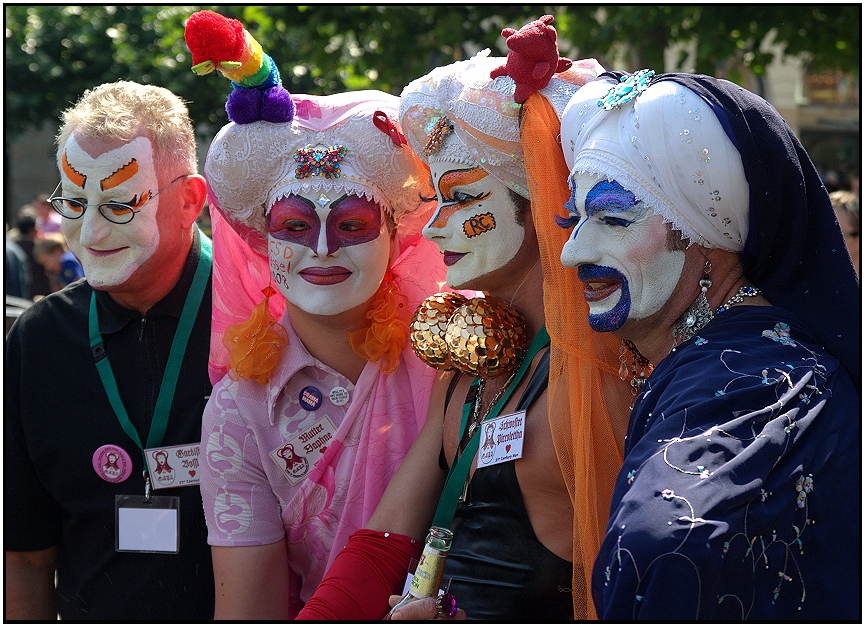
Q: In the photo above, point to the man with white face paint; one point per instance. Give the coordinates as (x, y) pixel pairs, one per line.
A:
(109, 368)
(320, 396)
(705, 240)
(635, 272)
(512, 516)
(109, 253)
(479, 225)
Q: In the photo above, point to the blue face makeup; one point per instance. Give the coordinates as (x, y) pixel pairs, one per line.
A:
(571, 208)
(610, 197)
(615, 317)
(605, 196)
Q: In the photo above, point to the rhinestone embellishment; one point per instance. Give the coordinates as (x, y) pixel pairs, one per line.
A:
(318, 161)
(439, 131)
(628, 88)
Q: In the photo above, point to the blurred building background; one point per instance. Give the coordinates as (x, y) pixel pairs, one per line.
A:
(803, 61)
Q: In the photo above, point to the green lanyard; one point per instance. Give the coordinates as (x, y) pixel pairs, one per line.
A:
(175, 359)
(456, 479)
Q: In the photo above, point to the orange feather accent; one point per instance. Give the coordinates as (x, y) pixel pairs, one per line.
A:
(384, 339)
(254, 345)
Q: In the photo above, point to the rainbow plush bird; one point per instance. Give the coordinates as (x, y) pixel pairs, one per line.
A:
(533, 57)
(223, 44)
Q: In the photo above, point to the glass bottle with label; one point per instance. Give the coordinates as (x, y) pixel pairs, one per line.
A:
(428, 574)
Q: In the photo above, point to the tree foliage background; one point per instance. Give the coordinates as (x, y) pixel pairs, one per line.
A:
(54, 53)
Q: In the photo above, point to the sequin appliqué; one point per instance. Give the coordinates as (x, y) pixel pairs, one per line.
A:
(319, 161)
(628, 88)
(781, 333)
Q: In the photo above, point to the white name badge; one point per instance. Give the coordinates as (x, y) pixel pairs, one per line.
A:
(173, 466)
(147, 526)
(501, 439)
(297, 456)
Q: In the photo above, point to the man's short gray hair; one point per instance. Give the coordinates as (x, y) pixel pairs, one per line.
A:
(123, 110)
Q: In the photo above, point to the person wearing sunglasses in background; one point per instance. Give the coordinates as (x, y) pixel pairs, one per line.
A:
(93, 404)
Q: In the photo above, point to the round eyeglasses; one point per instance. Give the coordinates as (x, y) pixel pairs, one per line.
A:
(116, 212)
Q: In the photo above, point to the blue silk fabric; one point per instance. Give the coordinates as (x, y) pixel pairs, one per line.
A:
(740, 493)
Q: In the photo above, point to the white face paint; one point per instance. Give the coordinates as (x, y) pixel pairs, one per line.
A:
(327, 255)
(110, 252)
(620, 249)
(475, 225)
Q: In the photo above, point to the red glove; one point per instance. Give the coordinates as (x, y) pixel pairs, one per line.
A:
(371, 567)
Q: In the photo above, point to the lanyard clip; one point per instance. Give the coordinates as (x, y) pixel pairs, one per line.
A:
(98, 352)
(147, 488)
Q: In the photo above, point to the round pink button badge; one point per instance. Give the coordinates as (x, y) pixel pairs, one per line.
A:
(112, 463)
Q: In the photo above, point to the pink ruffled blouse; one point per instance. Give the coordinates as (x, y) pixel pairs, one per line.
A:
(307, 456)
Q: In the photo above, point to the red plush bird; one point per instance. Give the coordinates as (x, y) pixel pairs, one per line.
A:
(533, 57)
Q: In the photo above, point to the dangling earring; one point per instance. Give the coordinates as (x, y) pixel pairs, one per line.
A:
(481, 337)
(383, 340)
(641, 368)
(698, 314)
(254, 344)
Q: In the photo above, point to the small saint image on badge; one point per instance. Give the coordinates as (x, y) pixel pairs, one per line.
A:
(489, 430)
(488, 448)
(295, 465)
(112, 463)
(163, 473)
(147, 526)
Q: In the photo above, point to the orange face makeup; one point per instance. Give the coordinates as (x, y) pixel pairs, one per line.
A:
(120, 176)
(475, 225)
(72, 174)
(450, 203)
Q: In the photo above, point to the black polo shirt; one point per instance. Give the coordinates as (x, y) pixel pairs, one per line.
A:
(57, 414)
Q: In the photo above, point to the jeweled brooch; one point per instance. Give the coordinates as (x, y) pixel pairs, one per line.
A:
(629, 87)
(318, 161)
(437, 134)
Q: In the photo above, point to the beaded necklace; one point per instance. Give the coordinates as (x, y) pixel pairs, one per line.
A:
(695, 318)
(477, 416)
(746, 291)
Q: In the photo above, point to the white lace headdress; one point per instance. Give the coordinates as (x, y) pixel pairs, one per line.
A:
(667, 147)
(346, 143)
(481, 114)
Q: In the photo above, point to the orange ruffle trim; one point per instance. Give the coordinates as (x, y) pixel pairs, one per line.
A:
(254, 345)
(383, 340)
